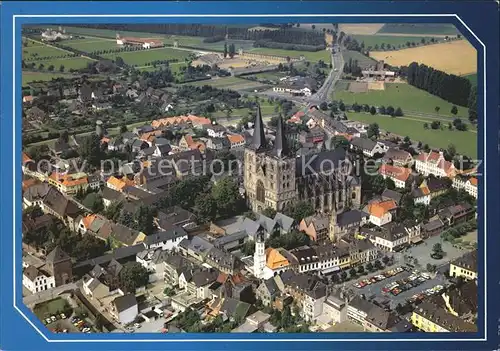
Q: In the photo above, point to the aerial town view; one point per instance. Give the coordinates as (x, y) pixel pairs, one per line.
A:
(265, 178)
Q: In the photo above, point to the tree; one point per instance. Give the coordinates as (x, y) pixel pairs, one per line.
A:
(227, 198)
(431, 268)
(378, 264)
(232, 50)
(390, 110)
(361, 269)
(352, 272)
(93, 201)
(454, 110)
(144, 219)
(370, 267)
(373, 131)
(451, 152)
(119, 62)
(299, 210)
(373, 110)
(426, 125)
(205, 208)
(398, 112)
(339, 141)
(269, 212)
(323, 106)
(133, 276)
(435, 125)
(88, 247)
(248, 249)
(437, 108)
(123, 128)
(343, 275)
(386, 260)
(225, 50)
(61, 68)
(341, 106)
(382, 110)
(90, 149)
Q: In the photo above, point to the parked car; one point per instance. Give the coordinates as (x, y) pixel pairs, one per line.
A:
(53, 318)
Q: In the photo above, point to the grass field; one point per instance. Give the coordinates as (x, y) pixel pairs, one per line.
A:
(73, 62)
(272, 76)
(363, 61)
(43, 76)
(91, 44)
(401, 95)
(372, 40)
(419, 28)
(37, 50)
(472, 78)
(456, 57)
(360, 28)
(309, 55)
(233, 83)
(465, 142)
(139, 58)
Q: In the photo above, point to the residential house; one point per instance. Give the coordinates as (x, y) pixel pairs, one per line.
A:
(379, 320)
(388, 194)
(152, 259)
(382, 212)
(358, 309)
(259, 321)
(175, 217)
(94, 288)
(231, 242)
(124, 309)
(469, 184)
(188, 143)
(401, 176)
(197, 282)
(34, 195)
(434, 163)
(367, 146)
(110, 196)
(236, 140)
(398, 158)
(456, 214)
(36, 280)
(218, 143)
(308, 291)
(392, 236)
(430, 318)
(166, 240)
(433, 227)
(315, 135)
(316, 227)
(174, 266)
(56, 204)
(429, 189)
(267, 291)
(346, 222)
(465, 266)
(215, 130)
(58, 265)
(118, 184)
(462, 301)
(124, 236)
(162, 150)
(224, 261)
(196, 247)
(335, 308)
(69, 184)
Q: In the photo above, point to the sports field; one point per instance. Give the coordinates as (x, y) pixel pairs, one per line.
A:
(465, 142)
(419, 28)
(140, 58)
(372, 40)
(309, 55)
(401, 95)
(456, 57)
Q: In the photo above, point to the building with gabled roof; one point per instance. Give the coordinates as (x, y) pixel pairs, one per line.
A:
(434, 163)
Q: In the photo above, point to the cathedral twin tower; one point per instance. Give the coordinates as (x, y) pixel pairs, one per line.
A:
(275, 178)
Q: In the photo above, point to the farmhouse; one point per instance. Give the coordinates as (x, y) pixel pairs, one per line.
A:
(146, 43)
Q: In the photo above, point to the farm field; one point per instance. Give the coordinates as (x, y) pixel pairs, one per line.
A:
(457, 57)
(140, 58)
(419, 28)
(272, 76)
(91, 44)
(401, 95)
(231, 83)
(372, 40)
(465, 142)
(363, 61)
(309, 55)
(246, 45)
(108, 33)
(360, 28)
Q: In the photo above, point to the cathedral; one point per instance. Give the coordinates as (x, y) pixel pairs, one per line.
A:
(275, 178)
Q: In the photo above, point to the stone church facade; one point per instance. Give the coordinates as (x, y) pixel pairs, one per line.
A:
(275, 178)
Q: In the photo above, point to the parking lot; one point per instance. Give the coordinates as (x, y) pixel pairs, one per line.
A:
(374, 290)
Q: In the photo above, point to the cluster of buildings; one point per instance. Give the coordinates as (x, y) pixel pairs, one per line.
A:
(297, 86)
(146, 43)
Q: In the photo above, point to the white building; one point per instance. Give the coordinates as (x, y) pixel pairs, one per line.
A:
(124, 308)
(166, 240)
(36, 280)
(399, 175)
(335, 308)
(434, 163)
(469, 184)
(382, 212)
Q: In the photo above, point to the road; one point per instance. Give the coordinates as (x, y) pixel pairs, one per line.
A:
(324, 93)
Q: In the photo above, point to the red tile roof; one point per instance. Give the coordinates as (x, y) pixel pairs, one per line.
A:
(399, 173)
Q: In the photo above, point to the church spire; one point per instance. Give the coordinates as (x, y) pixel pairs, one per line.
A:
(280, 148)
(259, 138)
